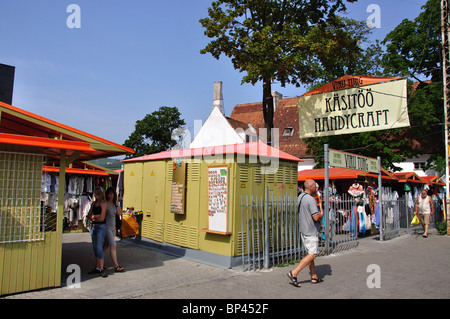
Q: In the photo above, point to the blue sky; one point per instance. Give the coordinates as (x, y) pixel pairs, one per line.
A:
(129, 58)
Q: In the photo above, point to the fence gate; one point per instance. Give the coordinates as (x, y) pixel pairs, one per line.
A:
(398, 213)
(270, 231)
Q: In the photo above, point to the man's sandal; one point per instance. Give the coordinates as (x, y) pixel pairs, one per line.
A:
(316, 280)
(293, 280)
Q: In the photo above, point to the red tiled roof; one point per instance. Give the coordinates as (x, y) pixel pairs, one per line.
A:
(237, 124)
(286, 115)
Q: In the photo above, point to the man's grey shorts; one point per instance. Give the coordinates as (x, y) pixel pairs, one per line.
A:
(311, 244)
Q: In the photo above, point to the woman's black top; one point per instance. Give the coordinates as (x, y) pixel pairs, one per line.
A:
(97, 210)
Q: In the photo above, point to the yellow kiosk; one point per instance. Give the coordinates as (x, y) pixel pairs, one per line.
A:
(191, 199)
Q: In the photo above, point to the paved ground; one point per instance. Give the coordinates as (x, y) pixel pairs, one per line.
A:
(410, 267)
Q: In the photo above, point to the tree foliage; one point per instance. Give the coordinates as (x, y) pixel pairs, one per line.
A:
(276, 40)
(153, 134)
(412, 50)
(414, 47)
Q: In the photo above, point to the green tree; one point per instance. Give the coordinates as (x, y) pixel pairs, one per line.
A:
(353, 52)
(153, 134)
(412, 50)
(275, 40)
(366, 60)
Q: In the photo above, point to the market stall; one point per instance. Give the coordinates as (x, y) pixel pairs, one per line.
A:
(191, 198)
(413, 185)
(30, 251)
(81, 179)
(353, 198)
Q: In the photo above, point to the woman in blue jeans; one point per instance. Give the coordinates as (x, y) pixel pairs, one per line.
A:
(97, 214)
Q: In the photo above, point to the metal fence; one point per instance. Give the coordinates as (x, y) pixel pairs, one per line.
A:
(270, 227)
(398, 213)
(270, 231)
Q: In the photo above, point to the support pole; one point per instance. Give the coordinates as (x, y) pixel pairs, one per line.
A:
(266, 229)
(326, 207)
(380, 198)
(446, 81)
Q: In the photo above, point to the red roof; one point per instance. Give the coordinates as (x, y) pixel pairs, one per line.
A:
(256, 149)
(81, 171)
(350, 81)
(339, 173)
(433, 180)
(404, 177)
(44, 142)
(285, 116)
(21, 127)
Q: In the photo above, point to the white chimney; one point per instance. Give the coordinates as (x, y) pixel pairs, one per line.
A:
(218, 96)
(277, 97)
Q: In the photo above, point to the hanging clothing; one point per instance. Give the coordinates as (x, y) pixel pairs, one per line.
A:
(86, 221)
(362, 222)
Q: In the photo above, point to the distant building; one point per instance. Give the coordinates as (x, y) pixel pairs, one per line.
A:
(285, 119)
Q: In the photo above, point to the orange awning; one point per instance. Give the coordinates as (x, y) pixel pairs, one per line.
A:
(433, 180)
(339, 173)
(21, 127)
(44, 142)
(412, 177)
(81, 171)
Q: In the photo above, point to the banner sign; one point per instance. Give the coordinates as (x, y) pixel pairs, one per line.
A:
(374, 107)
(352, 161)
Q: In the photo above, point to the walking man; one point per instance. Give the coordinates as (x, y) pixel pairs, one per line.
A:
(309, 220)
(425, 207)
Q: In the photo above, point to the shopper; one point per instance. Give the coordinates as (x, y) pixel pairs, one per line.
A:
(424, 208)
(112, 211)
(309, 226)
(97, 214)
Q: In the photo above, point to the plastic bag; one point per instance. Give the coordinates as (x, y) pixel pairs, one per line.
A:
(415, 221)
(130, 227)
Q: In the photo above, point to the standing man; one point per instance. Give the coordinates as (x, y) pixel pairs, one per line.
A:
(309, 220)
(425, 207)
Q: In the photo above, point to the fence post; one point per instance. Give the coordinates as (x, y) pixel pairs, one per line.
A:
(266, 229)
(242, 232)
(380, 200)
(407, 212)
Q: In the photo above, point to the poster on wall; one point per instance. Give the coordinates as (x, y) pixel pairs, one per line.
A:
(350, 105)
(218, 199)
(177, 204)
